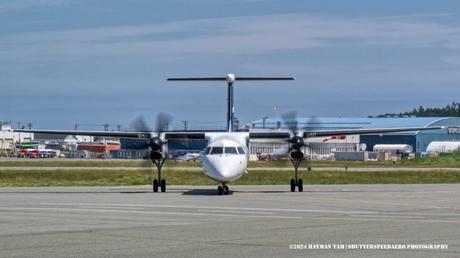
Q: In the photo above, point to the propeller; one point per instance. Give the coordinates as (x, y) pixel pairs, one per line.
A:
(154, 142)
(296, 141)
(162, 123)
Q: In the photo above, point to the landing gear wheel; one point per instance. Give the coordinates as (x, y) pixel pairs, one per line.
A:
(300, 185)
(163, 185)
(292, 185)
(155, 185)
(220, 191)
(225, 188)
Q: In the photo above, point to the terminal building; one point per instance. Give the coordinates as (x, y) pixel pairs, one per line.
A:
(418, 140)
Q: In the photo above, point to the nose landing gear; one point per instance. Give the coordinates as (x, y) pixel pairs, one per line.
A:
(222, 189)
(158, 182)
(296, 159)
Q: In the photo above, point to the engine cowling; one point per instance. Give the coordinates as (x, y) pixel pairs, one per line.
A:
(296, 155)
(156, 155)
(156, 144)
(297, 142)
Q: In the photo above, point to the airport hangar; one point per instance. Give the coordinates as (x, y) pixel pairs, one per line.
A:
(418, 140)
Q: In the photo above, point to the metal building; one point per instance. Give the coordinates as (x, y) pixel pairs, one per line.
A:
(418, 140)
(9, 139)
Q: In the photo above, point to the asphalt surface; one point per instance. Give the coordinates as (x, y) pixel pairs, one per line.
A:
(254, 221)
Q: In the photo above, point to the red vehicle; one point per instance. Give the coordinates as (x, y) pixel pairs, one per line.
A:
(23, 153)
(34, 154)
(29, 153)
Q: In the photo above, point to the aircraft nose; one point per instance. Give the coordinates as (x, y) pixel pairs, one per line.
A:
(223, 171)
(226, 172)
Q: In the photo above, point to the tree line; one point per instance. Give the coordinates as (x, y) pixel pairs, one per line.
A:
(451, 110)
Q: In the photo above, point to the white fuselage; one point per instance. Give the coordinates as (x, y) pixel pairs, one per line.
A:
(225, 159)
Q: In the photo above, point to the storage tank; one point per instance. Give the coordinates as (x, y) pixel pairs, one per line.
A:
(443, 147)
(402, 148)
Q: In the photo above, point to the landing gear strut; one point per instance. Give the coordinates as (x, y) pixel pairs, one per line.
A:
(222, 189)
(296, 181)
(158, 182)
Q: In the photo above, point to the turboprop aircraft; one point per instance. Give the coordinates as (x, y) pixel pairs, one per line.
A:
(225, 159)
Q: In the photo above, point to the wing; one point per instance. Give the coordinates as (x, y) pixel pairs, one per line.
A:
(185, 135)
(318, 133)
(269, 135)
(138, 135)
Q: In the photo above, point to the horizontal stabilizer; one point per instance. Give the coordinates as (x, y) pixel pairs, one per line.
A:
(197, 79)
(264, 78)
(230, 77)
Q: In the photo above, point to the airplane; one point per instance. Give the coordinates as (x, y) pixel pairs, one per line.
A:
(225, 158)
(188, 157)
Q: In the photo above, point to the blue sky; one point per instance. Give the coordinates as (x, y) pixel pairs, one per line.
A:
(94, 62)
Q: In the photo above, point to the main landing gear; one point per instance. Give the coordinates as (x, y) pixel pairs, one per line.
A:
(222, 189)
(158, 182)
(296, 158)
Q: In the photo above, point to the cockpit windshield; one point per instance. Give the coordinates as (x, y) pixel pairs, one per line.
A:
(217, 150)
(230, 151)
(221, 150)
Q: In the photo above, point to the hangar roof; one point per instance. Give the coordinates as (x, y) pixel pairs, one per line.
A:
(323, 123)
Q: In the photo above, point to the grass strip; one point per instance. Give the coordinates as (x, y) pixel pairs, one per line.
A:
(113, 178)
(450, 161)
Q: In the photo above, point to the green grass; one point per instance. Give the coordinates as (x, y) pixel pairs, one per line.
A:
(435, 162)
(441, 161)
(89, 163)
(112, 178)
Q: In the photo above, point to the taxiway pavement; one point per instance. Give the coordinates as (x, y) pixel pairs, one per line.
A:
(254, 221)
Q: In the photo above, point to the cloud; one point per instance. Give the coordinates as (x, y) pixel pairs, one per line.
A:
(226, 36)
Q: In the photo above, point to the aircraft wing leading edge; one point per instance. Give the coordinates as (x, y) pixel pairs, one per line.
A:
(367, 131)
(201, 135)
(136, 135)
(139, 135)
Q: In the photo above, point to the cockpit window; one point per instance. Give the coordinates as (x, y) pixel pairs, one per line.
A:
(217, 150)
(230, 150)
(207, 150)
(241, 150)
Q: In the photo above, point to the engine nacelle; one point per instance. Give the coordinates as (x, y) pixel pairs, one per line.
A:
(297, 142)
(156, 143)
(156, 155)
(296, 155)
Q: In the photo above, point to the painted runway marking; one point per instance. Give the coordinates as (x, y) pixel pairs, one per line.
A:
(243, 212)
(215, 207)
(424, 206)
(146, 212)
(387, 216)
(393, 220)
(114, 207)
